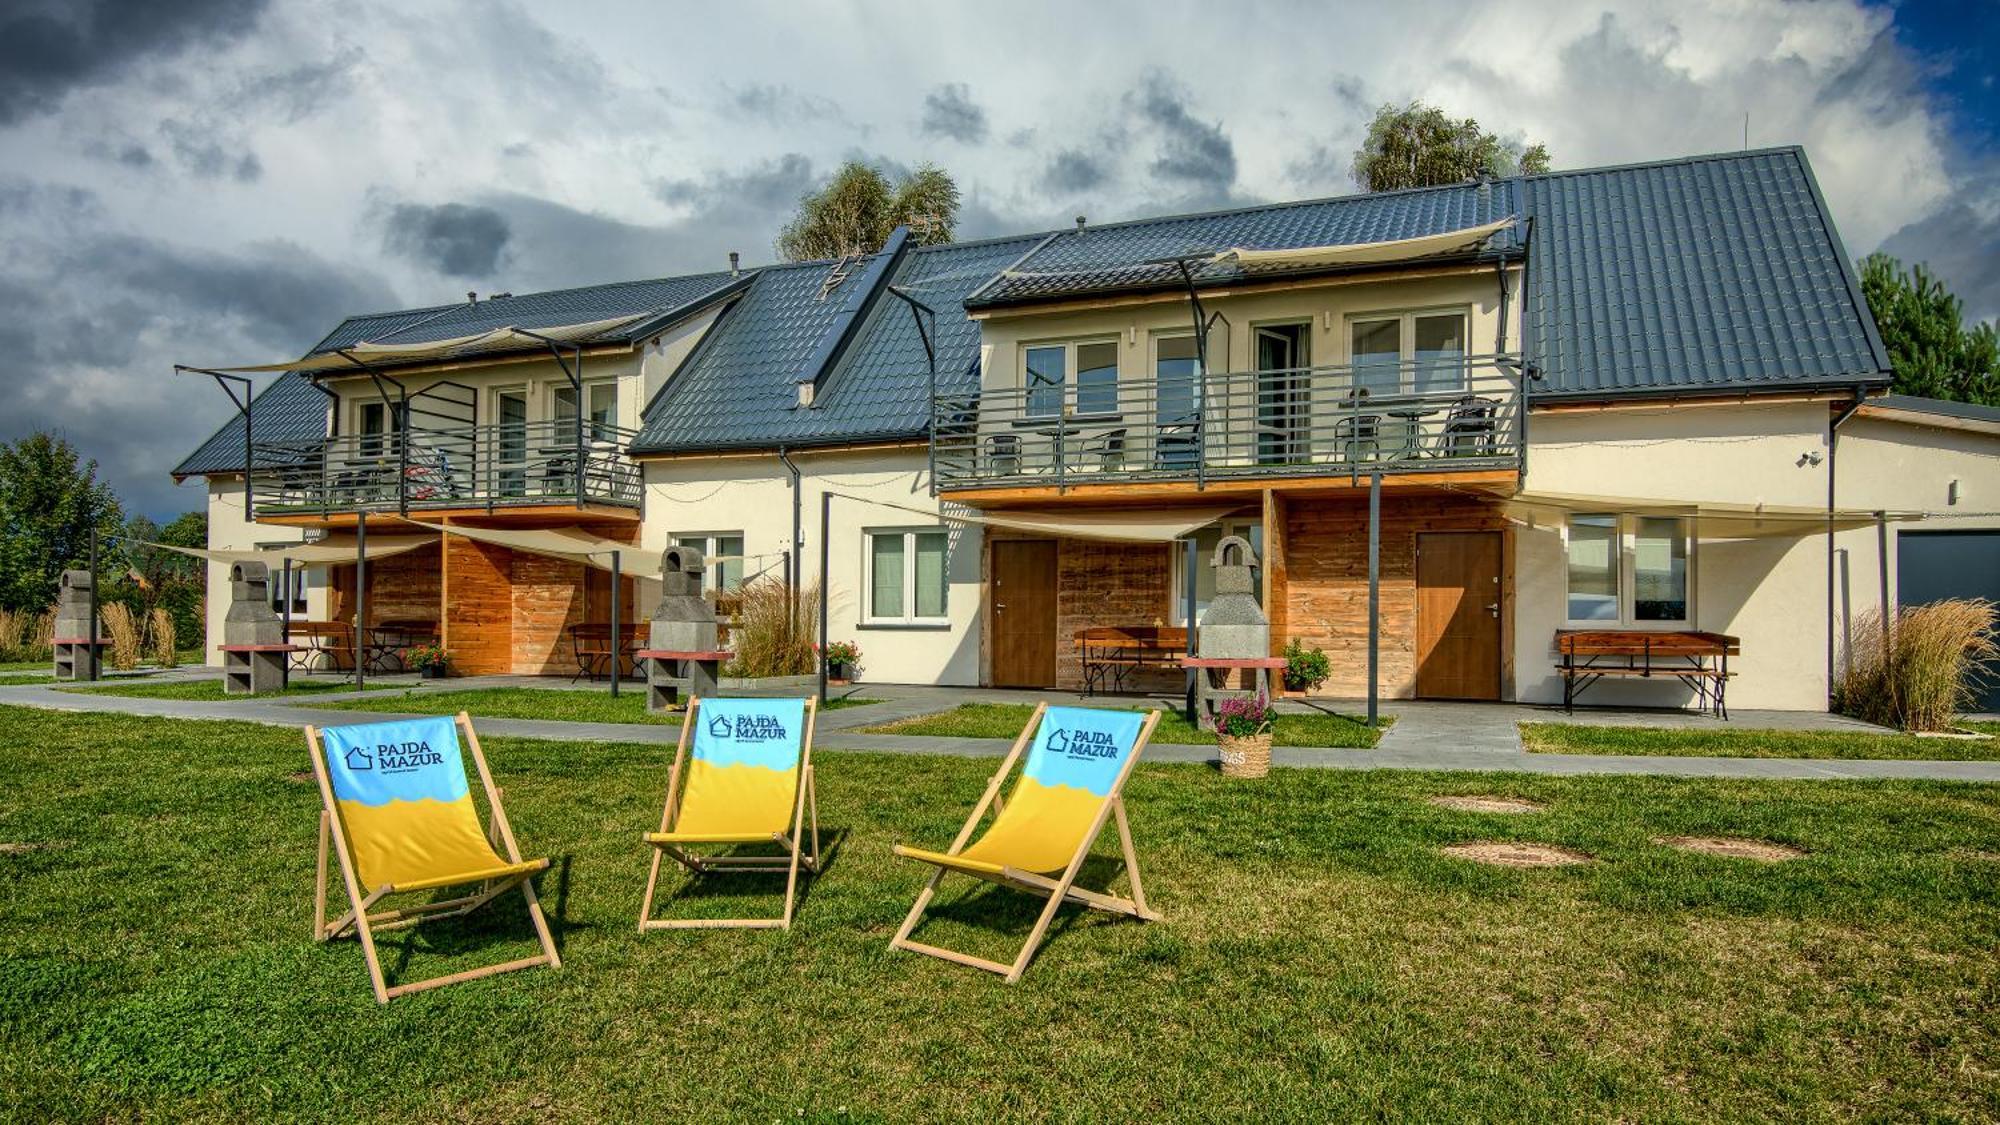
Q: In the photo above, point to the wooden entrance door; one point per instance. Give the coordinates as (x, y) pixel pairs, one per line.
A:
(1458, 615)
(1023, 593)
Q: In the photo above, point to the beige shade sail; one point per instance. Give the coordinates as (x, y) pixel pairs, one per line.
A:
(1712, 520)
(571, 543)
(1117, 525)
(499, 339)
(320, 552)
(1362, 253)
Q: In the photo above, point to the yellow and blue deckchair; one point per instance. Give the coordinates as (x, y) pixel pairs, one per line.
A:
(399, 813)
(1073, 780)
(742, 774)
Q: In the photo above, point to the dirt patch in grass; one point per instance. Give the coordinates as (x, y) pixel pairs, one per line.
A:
(1486, 804)
(303, 777)
(1733, 847)
(17, 849)
(1508, 853)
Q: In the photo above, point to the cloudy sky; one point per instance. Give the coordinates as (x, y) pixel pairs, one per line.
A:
(220, 181)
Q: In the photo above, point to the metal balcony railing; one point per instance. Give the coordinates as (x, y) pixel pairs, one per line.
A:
(499, 466)
(1425, 415)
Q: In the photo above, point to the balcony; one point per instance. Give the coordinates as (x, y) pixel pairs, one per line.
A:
(1423, 416)
(507, 466)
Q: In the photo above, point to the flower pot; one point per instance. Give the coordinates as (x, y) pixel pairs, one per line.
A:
(837, 673)
(431, 672)
(1249, 756)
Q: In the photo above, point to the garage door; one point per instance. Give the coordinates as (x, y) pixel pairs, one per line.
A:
(1933, 565)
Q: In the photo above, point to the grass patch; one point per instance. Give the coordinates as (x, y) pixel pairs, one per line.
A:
(537, 703)
(1986, 727)
(1321, 958)
(25, 681)
(1005, 720)
(1572, 738)
(26, 665)
(210, 691)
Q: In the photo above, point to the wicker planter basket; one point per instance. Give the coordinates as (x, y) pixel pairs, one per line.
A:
(1245, 757)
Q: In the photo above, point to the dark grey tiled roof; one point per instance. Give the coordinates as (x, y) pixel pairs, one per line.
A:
(1114, 257)
(1945, 408)
(1707, 273)
(290, 409)
(740, 387)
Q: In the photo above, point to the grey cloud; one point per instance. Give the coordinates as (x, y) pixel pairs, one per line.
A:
(297, 93)
(1191, 151)
(51, 47)
(949, 111)
(202, 152)
(100, 317)
(774, 185)
(780, 104)
(1072, 170)
(453, 239)
(552, 245)
(1962, 247)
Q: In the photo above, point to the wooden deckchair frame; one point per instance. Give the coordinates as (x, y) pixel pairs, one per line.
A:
(360, 921)
(805, 819)
(1059, 890)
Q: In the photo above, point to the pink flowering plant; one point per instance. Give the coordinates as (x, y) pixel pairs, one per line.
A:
(843, 653)
(426, 656)
(1243, 718)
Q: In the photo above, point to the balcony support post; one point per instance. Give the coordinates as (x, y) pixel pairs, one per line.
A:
(1201, 376)
(575, 377)
(617, 634)
(918, 311)
(1374, 590)
(244, 404)
(361, 601)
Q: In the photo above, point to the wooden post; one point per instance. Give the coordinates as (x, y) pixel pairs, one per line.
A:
(361, 600)
(1374, 590)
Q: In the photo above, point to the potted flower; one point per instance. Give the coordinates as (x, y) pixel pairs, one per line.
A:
(1243, 732)
(430, 661)
(1305, 669)
(843, 661)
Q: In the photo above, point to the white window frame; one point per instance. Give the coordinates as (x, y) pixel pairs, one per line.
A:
(1071, 372)
(704, 541)
(559, 387)
(1406, 340)
(909, 615)
(299, 585)
(1628, 573)
(1250, 528)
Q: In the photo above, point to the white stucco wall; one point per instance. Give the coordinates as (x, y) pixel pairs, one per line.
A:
(752, 494)
(1769, 591)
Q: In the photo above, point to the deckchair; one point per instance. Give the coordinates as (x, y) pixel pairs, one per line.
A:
(1074, 779)
(742, 774)
(399, 813)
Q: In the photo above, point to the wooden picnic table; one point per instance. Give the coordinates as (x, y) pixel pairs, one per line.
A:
(388, 639)
(591, 642)
(331, 640)
(1696, 658)
(1115, 651)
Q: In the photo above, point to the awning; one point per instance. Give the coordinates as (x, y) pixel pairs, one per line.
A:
(1117, 525)
(1712, 520)
(498, 339)
(570, 543)
(319, 552)
(1362, 253)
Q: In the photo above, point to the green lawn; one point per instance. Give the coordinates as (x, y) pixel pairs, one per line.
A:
(1983, 727)
(1005, 720)
(210, 691)
(26, 665)
(24, 680)
(1570, 738)
(536, 703)
(1320, 959)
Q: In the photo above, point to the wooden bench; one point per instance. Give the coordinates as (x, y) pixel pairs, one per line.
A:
(332, 641)
(591, 641)
(1116, 651)
(1698, 659)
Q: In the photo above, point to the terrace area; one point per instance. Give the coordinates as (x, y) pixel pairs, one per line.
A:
(1428, 415)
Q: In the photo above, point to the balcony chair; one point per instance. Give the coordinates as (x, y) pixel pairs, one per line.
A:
(1003, 455)
(1471, 428)
(1354, 430)
(1107, 450)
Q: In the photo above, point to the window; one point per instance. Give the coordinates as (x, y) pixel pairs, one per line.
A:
(372, 421)
(723, 551)
(907, 582)
(1176, 401)
(1429, 345)
(1048, 367)
(1046, 371)
(1627, 569)
(297, 586)
(1205, 542)
(603, 400)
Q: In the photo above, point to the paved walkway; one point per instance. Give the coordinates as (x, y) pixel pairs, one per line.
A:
(1426, 736)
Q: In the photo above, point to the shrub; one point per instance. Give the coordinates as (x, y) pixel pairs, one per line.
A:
(774, 629)
(121, 628)
(1238, 717)
(1305, 669)
(165, 652)
(1924, 675)
(14, 629)
(843, 652)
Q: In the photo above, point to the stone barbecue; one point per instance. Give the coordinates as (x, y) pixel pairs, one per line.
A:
(1233, 628)
(681, 654)
(255, 656)
(75, 657)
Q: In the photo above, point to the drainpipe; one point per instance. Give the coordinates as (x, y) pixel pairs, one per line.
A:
(1832, 461)
(792, 573)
